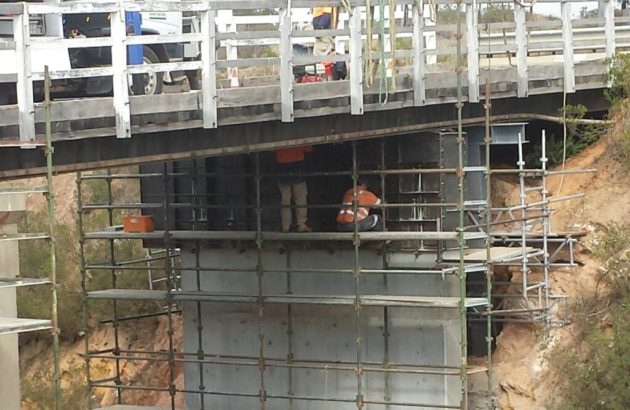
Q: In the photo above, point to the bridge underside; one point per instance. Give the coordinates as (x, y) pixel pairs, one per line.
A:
(102, 152)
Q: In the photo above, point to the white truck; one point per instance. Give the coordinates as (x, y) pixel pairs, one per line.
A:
(58, 57)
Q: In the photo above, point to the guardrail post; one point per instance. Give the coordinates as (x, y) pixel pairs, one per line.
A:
(119, 66)
(286, 65)
(356, 63)
(231, 50)
(609, 16)
(567, 38)
(520, 33)
(419, 58)
(472, 39)
(24, 86)
(208, 69)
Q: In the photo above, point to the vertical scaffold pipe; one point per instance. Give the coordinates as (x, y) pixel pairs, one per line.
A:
(489, 262)
(84, 300)
(196, 211)
(522, 196)
(387, 393)
(290, 331)
(171, 281)
(114, 276)
(357, 276)
(546, 228)
(262, 396)
(200, 350)
(460, 228)
(50, 199)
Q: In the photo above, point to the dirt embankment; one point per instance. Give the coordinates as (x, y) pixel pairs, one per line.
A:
(522, 376)
(36, 357)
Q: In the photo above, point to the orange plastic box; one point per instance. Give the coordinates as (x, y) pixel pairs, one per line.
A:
(138, 223)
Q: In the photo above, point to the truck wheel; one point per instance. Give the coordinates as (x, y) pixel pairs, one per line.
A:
(153, 82)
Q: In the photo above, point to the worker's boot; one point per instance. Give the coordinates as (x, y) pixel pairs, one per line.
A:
(304, 228)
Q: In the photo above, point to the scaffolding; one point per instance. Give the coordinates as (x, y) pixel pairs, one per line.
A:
(424, 237)
(430, 220)
(14, 280)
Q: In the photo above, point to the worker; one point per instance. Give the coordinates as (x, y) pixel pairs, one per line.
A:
(292, 184)
(365, 201)
(324, 18)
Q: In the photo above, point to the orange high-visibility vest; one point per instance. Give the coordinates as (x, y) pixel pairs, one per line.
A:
(365, 200)
(288, 155)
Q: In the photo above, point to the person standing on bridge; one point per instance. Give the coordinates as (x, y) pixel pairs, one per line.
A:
(324, 18)
(365, 200)
(292, 184)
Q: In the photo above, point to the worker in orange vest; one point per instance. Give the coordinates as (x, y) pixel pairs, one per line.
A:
(365, 201)
(292, 184)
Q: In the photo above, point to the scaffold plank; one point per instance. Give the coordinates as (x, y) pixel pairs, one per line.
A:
(288, 236)
(366, 300)
(23, 237)
(14, 325)
(20, 282)
(497, 254)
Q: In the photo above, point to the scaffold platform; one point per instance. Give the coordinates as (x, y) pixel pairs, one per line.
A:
(285, 236)
(14, 325)
(366, 300)
(21, 282)
(498, 254)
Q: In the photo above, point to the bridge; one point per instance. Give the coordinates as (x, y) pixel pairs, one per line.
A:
(529, 65)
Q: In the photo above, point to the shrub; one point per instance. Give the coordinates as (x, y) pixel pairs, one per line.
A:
(579, 137)
(619, 76)
(594, 373)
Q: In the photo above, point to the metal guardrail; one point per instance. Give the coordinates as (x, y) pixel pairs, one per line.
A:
(214, 17)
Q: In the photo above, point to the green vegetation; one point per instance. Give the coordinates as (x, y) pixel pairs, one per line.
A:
(594, 372)
(618, 95)
(579, 137)
(619, 76)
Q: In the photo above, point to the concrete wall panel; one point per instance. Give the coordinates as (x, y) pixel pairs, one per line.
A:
(319, 333)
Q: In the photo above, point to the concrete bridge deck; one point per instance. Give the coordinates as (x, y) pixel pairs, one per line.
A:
(528, 64)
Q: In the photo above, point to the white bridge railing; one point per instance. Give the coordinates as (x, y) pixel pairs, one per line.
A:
(423, 53)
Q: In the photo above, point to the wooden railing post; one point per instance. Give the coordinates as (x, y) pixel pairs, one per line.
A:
(231, 50)
(419, 57)
(356, 63)
(24, 86)
(208, 69)
(567, 38)
(119, 67)
(609, 16)
(472, 39)
(286, 65)
(520, 33)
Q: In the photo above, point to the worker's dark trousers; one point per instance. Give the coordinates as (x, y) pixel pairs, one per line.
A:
(371, 223)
